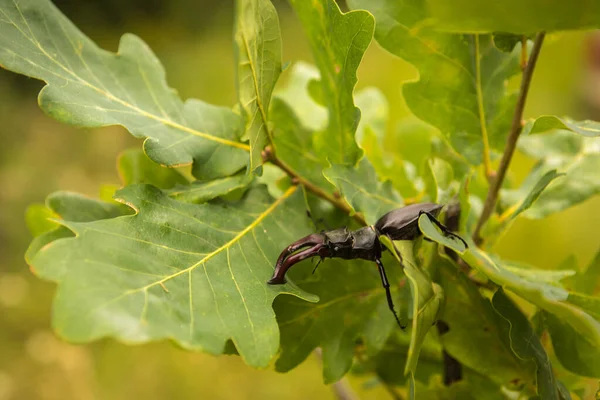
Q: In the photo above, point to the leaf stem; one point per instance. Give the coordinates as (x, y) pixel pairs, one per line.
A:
(269, 155)
(484, 133)
(511, 142)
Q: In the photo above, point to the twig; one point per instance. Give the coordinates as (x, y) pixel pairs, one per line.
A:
(511, 142)
(269, 155)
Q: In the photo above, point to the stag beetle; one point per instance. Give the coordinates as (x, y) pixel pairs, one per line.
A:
(363, 243)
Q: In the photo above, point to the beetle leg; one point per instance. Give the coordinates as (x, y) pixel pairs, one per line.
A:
(388, 294)
(282, 266)
(443, 228)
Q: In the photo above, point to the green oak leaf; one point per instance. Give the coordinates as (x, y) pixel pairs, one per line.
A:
(346, 311)
(575, 156)
(428, 298)
(526, 345)
(90, 87)
(135, 167)
(478, 337)
(193, 273)
(548, 297)
(462, 86)
(67, 206)
(338, 41)
(547, 123)
(293, 144)
(361, 188)
(516, 16)
(203, 191)
(258, 53)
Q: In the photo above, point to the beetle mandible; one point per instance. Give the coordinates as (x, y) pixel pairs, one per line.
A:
(363, 243)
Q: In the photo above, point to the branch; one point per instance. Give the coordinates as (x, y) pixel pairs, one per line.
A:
(511, 142)
(269, 155)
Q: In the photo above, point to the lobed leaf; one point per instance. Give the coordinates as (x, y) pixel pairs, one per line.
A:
(68, 206)
(135, 167)
(362, 189)
(338, 41)
(349, 304)
(576, 156)
(478, 337)
(547, 123)
(258, 53)
(462, 86)
(514, 16)
(526, 345)
(549, 298)
(90, 87)
(193, 273)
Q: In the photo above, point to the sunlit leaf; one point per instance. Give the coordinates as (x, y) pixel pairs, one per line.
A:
(37, 218)
(312, 115)
(550, 122)
(88, 86)
(576, 156)
(258, 52)
(517, 16)
(526, 345)
(360, 186)
(193, 273)
(338, 42)
(462, 86)
(374, 112)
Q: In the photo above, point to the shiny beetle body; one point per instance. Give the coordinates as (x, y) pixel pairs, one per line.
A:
(363, 243)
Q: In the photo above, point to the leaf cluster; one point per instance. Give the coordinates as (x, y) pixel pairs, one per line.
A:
(185, 254)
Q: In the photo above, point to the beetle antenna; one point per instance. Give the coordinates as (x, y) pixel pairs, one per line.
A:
(445, 230)
(316, 266)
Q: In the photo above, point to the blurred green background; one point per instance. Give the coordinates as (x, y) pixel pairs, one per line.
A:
(194, 41)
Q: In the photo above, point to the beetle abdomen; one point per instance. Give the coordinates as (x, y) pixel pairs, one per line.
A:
(402, 223)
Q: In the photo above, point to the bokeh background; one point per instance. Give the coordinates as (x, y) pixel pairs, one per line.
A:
(193, 38)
